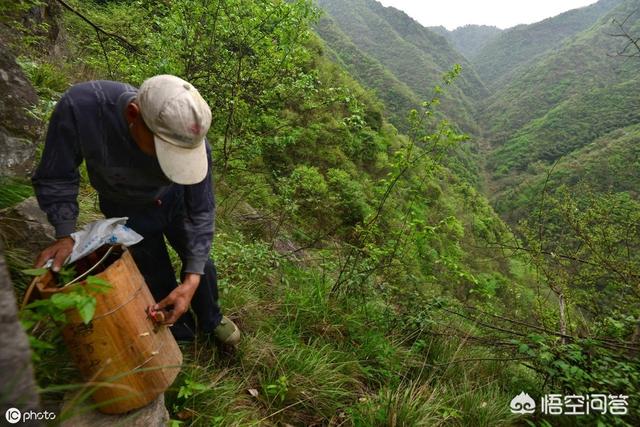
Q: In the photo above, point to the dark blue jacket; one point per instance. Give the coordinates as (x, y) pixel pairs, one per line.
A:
(88, 124)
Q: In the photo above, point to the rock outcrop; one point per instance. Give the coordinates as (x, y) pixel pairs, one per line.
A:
(17, 387)
(26, 227)
(155, 414)
(19, 131)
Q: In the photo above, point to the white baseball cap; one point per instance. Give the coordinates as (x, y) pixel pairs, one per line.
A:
(179, 118)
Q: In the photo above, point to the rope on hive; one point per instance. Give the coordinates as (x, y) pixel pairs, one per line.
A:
(113, 310)
(154, 353)
(100, 261)
(32, 285)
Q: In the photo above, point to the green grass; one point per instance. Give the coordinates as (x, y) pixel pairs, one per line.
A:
(309, 359)
(13, 191)
(409, 405)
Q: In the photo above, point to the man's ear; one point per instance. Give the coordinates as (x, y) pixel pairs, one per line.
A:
(132, 111)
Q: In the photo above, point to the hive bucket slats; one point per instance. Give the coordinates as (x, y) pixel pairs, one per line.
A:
(120, 352)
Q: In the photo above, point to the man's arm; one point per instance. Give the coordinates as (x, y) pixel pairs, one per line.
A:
(199, 221)
(56, 180)
(198, 228)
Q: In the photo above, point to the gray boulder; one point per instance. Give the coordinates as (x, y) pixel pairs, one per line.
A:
(17, 388)
(154, 414)
(19, 131)
(25, 226)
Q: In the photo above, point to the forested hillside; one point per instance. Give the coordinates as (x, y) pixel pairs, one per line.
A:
(521, 45)
(608, 164)
(374, 283)
(557, 85)
(582, 63)
(397, 96)
(564, 130)
(415, 55)
(561, 102)
(470, 40)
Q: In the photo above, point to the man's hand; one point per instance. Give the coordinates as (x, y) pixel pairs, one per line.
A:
(59, 251)
(179, 299)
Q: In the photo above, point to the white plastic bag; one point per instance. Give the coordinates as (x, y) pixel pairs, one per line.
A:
(112, 231)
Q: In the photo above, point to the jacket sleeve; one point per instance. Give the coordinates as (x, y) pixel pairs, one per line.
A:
(199, 221)
(56, 179)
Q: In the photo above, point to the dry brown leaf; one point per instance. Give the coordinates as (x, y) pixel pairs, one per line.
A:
(185, 414)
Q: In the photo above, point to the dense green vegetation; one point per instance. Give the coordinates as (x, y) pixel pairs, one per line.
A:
(555, 106)
(523, 44)
(415, 55)
(400, 60)
(568, 127)
(608, 164)
(469, 39)
(581, 64)
(398, 98)
(561, 89)
(373, 281)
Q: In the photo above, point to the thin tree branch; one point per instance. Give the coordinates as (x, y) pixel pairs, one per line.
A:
(480, 359)
(624, 33)
(124, 42)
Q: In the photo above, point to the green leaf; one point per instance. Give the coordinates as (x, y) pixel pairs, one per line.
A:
(184, 392)
(546, 356)
(67, 273)
(98, 284)
(87, 310)
(36, 343)
(35, 271)
(64, 301)
(536, 338)
(196, 386)
(27, 323)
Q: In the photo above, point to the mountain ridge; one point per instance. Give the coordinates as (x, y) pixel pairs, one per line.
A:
(522, 43)
(547, 104)
(404, 48)
(558, 105)
(469, 39)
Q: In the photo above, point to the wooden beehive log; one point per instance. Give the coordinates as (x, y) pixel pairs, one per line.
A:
(121, 352)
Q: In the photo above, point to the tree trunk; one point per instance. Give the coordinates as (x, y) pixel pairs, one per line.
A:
(563, 317)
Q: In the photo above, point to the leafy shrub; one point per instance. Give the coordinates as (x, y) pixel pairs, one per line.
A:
(308, 188)
(48, 80)
(349, 196)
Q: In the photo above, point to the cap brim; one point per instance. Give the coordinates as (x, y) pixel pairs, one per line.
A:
(182, 165)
